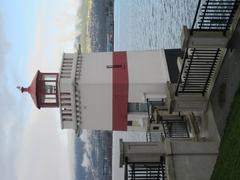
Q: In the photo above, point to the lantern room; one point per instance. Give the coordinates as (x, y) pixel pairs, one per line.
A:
(43, 90)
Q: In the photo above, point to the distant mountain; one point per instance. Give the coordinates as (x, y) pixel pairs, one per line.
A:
(95, 25)
(79, 170)
(82, 24)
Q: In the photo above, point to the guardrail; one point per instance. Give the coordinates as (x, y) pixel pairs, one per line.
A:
(214, 15)
(145, 170)
(173, 126)
(197, 70)
(176, 128)
(199, 64)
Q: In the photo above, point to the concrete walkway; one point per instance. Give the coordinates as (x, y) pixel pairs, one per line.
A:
(227, 82)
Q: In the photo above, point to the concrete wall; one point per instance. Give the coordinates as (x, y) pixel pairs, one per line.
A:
(193, 160)
(185, 160)
(140, 151)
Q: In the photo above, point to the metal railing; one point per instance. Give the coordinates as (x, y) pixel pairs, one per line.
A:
(199, 64)
(214, 15)
(175, 128)
(197, 70)
(154, 136)
(145, 170)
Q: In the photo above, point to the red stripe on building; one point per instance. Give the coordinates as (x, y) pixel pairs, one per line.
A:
(120, 91)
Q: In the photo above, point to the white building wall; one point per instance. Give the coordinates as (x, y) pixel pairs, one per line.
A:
(96, 102)
(95, 87)
(94, 70)
(148, 74)
(140, 121)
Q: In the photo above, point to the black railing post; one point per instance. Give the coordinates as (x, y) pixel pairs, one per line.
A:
(210, 72)
(230, 16)
(126, 169)
(204, 13)
(215, 15)
(189, 67)
(180, 74)
(175, 128)
(146, 170)
(195, 17)
(162, 162)
(133, 171)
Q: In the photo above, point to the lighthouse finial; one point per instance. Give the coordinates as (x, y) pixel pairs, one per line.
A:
(22, 89)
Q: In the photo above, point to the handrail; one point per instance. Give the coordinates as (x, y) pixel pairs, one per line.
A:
(180, 75)
(195, 17)
(145, 170)
(197, 70)
(214, 15)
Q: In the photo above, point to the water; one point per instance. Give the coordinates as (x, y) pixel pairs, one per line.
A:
(151, 24)
(147, 25)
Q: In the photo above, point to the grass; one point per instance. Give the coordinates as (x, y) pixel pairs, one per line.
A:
(227, 166)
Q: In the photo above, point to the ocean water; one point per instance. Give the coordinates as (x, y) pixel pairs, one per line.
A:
(147, 25)
(151, 24)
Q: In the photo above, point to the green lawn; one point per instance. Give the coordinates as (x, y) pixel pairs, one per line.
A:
(228, 163)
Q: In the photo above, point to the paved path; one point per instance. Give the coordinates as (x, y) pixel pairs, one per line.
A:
(227, 82)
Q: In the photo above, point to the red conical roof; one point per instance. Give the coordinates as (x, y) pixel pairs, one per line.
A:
(33, 90)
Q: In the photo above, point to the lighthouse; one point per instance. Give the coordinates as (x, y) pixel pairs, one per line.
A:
(105, 90)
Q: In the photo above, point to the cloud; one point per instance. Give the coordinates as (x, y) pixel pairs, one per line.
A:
(55, 33)
(43, 153)
(46, 151)
(33, 146)
(86, 138)
(87, 156)
(86, 163)
(12, 120)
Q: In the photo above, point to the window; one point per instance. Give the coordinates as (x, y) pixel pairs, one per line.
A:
(155, 127)
(50, 96)
(130, 123)
(137, 107)
(49, 89)
(49, 77)
(114, 66)
(133, 123)
(50, 100)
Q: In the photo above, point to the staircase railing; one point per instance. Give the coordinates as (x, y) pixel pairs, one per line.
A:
(214, 15)
(197, 70)
(145, 170)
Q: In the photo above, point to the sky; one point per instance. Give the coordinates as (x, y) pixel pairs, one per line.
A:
(33, 36)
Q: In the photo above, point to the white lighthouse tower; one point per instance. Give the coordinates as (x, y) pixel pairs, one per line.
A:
(105, 91)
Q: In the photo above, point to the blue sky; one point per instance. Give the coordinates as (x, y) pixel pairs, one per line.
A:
(33, 35)
(18, 35)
